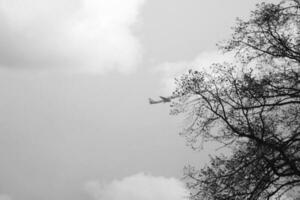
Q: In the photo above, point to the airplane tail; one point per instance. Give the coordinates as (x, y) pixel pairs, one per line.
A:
(151, 101)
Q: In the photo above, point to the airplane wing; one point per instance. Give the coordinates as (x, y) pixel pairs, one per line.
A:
(165, 99)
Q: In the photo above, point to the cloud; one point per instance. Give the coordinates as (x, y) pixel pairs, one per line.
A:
(89, 35)
(5, 197)
(138, 187)
(172, 70)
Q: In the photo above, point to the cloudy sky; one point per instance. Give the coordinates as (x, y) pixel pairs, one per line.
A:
(75, 76)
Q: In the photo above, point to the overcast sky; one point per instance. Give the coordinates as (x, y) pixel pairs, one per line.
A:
(75, 77)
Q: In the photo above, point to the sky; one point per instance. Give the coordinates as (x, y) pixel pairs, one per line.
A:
(75, 77)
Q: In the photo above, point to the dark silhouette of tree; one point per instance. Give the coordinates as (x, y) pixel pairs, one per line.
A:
(256, 115)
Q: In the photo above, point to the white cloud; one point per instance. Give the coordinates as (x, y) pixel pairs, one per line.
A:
(5, 197)
(172, 70)
(89, 35)
(138, 187)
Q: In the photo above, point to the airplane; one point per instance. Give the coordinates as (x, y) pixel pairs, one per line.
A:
(163, 100)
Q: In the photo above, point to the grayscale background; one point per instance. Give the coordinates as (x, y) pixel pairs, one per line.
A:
(75, 77)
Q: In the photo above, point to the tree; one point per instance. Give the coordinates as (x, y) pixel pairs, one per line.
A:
(256, 115)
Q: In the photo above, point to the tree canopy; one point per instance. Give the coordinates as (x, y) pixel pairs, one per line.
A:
(252, 106)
